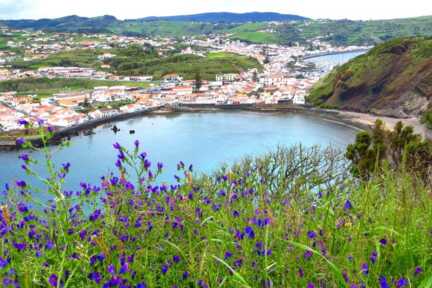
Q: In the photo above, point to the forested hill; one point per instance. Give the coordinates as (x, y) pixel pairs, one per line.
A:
(393, 79)
(230, 17)
(252, 27)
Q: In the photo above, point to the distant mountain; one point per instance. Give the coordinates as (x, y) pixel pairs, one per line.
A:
(393, 79)
(230, 17)
(65, 24)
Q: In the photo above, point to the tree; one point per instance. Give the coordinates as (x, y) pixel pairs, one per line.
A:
(398, 149)
(198, 81)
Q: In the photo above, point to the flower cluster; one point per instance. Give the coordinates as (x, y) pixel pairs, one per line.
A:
(243, 227)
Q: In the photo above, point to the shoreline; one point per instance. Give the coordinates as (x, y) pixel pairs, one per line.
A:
(354, 120)
(307, 57)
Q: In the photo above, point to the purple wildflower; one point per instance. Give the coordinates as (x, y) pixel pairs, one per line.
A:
(418, 270)
(383, 282)
(164, 269)
(311, 234)
(202, 284)
(250, 232)
(348, 205)
(23, 122)
(159, 166)
(227, 255)
(20, 141)
(53, 280)
(310, 285)
(95, 276)
(117, 146)
(373, 257)
(364, 268)
(176, 259)
(111, 269)
(3, 262)
(307, 255)
(402, 282)
(21, 183)
(24, 157)
(95, 215)
(383, 241)
(124, 268)
(20, 246)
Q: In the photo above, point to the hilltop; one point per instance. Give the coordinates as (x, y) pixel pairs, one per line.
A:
(254, 27)
(230, 17)
(393, 79)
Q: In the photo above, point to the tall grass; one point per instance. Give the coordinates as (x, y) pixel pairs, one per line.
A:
(291, 218)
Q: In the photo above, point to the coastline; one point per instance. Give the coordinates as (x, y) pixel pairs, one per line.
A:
(354, 120)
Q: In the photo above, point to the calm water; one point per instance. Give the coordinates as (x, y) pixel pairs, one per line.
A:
(328, 62)
(207, 140)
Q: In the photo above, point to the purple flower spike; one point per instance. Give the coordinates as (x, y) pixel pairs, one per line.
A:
(95, 276)
(383, 242)
(164, 269)
(53, 280)
(23, 122)
(348, 205)
(227, 255)
(311, 235)
(364, 268)
(402, 282)
(418, 270)
(20, 142)
(159, 166)
(117, 146)
(383, 282)
(176, 259)
(373, 257)
(21, 184)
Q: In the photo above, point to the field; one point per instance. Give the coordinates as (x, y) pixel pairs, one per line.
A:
(133, 61)
(45, 87)
(295, 217)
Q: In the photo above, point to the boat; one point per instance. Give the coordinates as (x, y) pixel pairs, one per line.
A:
(88, 132)
(115, 129)
(131, 131)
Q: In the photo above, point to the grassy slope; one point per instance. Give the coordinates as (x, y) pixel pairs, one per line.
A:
(137, 62)
(375, 79)
(46, 87)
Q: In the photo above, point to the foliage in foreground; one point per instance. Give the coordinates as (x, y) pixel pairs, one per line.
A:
(292, 218)
(400, 149)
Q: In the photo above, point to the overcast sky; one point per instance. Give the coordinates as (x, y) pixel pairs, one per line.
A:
(128, 9)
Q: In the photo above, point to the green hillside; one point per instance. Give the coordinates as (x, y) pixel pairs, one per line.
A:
(254, 30)
(394, 79)
(135, 61)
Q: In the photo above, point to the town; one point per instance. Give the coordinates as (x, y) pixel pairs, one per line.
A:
(284, 76)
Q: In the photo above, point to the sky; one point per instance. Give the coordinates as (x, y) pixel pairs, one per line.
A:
(129, 9)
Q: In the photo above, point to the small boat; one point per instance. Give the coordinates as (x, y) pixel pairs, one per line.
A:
(88, 132)
(115, 129)
(131, 131)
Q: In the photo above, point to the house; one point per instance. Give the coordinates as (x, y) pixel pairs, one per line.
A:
(172, 77)
(231, 77)
(71, 99)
